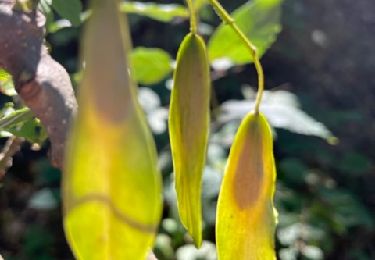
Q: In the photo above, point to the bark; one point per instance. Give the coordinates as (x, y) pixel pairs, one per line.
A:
(43, 84)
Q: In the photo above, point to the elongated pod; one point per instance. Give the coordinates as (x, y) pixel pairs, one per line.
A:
(111, 185)
(189, 127)
(245, 214)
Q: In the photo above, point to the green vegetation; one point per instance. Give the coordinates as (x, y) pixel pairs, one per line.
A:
(323, 212)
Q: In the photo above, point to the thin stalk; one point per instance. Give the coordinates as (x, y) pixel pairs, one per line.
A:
(226, 18)
(193, 16)
(12, 146)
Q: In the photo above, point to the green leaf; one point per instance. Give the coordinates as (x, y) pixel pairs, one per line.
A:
(52, 25)
(150, 66)
(21, 123)
(45, 6)
(198, 4)
(245, 215)
(346, 210)
(189, 127)
(6, 83)
(160, 12)
(31, 130)
(56, 26)
(68, 9)
(282, 110)
(259, 20)
(111, 184)
(294, 171)
(11, 118)
(354, 164)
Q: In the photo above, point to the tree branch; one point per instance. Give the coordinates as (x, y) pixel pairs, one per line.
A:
(42, 83)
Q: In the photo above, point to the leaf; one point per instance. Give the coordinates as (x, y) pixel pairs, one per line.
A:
(6, 83)
(150, 66)
(354, 164)
(294, 171)
(21, 123)
(11, 117)
(245, 214)
(111, 185)
(188, 124)
(282, 110)
(198, 4)
(260, 22)
(45, 5)
(31, 130)
(160, 12)
(346, 210)
(68, 9)
(55, 26)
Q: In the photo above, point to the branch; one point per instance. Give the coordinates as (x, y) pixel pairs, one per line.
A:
(226, 18)
(10, 148)
(42, 83)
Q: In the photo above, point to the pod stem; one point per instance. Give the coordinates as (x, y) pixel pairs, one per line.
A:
(226, 18)
(193, 16)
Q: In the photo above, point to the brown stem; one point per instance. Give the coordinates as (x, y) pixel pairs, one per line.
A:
(10, 148)
(42, 83)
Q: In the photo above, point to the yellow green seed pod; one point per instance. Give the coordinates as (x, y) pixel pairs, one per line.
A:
(189, 129)
(245, 214)
(111, 185)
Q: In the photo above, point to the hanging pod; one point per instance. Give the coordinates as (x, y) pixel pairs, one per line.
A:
(111, 185)
(188, 126)
(245, 214)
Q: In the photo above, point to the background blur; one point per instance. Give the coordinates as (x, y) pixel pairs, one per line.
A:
(320, 69)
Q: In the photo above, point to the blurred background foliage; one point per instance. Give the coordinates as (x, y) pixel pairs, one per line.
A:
(320, 100)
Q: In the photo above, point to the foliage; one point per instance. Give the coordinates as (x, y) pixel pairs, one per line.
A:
(282, 110)
(159, 65)
(319, 198)
(69, 9)
(259, 20)
(160, 12)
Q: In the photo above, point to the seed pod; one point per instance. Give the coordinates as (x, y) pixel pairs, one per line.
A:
(111, 185)
(245, 214)
(188, 126)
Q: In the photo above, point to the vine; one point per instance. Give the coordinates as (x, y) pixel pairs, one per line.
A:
(226, 18)
(193, 16)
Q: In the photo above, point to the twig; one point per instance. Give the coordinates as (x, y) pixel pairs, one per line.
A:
(12, 146)
(226, 18)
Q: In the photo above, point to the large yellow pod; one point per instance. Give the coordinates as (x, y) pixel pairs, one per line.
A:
(245, 215)
(111, 185)
(189, 128)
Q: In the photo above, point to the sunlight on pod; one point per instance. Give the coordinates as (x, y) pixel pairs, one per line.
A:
(189, 128)
(111, 185)
(246, 217)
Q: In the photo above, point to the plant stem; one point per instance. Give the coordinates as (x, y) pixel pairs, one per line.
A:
(193, 16)
(12, 146)
(226, 18)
